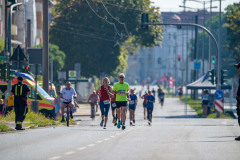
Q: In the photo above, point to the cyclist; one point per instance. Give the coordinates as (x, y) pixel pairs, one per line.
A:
(121, 89)
(105, 92)
(144, 97)
(93, 99)
(162, 96)
(114, 110)
(67, 94)
(150, 101)
(132, 106)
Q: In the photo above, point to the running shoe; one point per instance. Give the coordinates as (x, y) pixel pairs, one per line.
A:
(101, 124)
(134, 121)
(149, 123)
(237, 139)
(115, 124)
(105, 127)
(123, 127)
(119, 125)
(131, 123)
(63, 120)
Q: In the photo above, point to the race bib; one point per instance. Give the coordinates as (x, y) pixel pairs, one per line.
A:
(114, 105)
(106, 102)
(132, 102)
(122, 92)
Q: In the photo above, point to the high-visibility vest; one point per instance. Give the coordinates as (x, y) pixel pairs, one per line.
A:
(16, 88)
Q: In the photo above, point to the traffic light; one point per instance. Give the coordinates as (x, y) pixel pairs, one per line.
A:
(27, 68)
(3, 72)
(223, 76)
(144, 20)
(213, 59)
(10, 72)
(179, 58)
(211, 76)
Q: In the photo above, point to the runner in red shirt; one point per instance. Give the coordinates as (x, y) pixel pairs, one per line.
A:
(104, 92)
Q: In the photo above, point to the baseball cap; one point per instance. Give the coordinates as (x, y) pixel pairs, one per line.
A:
(237, 65)
(20, 78)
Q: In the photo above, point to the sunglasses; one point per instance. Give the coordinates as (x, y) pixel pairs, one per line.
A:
(121, 77)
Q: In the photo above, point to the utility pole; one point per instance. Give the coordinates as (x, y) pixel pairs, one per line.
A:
(203, 40)
(45, 55)
(5, 26)
(219, 49)
(196, 46)
(209, 39)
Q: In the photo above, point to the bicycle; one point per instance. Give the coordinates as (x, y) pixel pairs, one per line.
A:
(67, 110)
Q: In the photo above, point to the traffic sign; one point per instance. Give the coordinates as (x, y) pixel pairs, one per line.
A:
(72, 75)
(219, 105)
(219, 94)
(197, 65)
(3, 57)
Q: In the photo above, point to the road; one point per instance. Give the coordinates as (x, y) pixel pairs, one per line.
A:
(172, 136)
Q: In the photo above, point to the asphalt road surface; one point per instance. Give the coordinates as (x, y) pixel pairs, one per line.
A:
(172, 136)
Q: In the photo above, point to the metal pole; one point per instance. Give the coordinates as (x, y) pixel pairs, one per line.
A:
(209, 39)
(51, 76)
(36, 90)
(219, 49)
(203, 40)
(196, 46)
(45, 55)
(182, 54)
(6, 26)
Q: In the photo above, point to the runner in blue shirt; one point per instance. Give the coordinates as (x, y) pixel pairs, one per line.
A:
(132, 106)
(150, 106)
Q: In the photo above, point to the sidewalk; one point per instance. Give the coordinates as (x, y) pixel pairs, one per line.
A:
(84, 110)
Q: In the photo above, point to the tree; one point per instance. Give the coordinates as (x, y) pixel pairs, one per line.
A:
(58, 58)
(233, 25)
(91, 32)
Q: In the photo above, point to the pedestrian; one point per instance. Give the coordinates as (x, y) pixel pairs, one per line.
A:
(104, 92)
(205, 102)
(144, 97)
(9, 102)
(57, 106)
(150, 106)
(154, 92)
(20, 92)
(93, 100)
(237, 66)
(180, 92)
(122, 96)
(162, 96)
(132, 106)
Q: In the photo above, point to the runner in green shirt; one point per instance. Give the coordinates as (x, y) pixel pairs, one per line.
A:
(122, 96)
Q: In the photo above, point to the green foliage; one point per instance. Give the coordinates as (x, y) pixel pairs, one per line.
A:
(1, 44)
(233, 25)
(58, 58)
(5, 128)
(90, 40)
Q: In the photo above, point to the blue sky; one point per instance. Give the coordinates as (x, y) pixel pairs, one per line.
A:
(173, 5)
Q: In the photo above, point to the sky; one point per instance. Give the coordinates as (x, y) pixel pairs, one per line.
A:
(173, 5)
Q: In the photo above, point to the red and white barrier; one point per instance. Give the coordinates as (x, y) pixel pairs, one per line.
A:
(219, 105)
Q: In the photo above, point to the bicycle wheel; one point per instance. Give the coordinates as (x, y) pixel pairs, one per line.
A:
(68, 116)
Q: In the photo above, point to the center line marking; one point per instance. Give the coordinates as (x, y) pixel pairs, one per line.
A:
(82, 148)
(68, 153)
(53, 158)
(91, 145)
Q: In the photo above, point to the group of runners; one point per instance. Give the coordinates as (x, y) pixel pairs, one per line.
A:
(119, 98)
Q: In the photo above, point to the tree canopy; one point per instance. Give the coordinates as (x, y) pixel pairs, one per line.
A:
(101, 34)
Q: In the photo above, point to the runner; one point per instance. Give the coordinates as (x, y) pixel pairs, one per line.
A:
(144, 104)
(150, 101)
(114, 109)
(121, 89)
(154, 92)
(162, 96)
(132, 106)
(105, 93)
(159, 93)
(93, 99)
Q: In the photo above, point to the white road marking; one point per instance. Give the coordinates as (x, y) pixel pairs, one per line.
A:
(106, 139)
(112, 136)
(91, 145)
(99, 141)
(53, 158)
(68, 153)
(82, 148)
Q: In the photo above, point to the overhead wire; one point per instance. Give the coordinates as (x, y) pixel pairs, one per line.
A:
(103, 18)
(117, 19)
(92, 36)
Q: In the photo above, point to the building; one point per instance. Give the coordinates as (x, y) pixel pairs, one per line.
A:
(162, 61)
